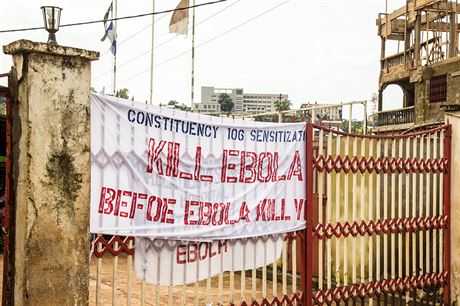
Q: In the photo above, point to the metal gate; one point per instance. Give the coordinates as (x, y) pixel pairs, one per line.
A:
(8, 210)
(383, 235)
(377, 233)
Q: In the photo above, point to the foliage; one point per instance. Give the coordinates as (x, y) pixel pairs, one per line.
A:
(2, 106)
(180, 106)
(226, 103)
(356, 126)
(282, 105)
(123, 93)
(93, 89)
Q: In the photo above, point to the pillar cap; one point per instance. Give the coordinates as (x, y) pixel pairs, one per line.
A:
(27, 46)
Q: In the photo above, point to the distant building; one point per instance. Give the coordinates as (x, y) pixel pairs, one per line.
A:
(324, 112)
(244, 102)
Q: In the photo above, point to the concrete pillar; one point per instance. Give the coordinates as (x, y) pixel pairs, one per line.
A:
(51, 151)
(454, 119)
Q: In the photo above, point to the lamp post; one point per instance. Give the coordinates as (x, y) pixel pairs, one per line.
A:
(52, 19)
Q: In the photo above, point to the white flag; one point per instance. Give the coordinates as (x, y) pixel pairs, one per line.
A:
(179, 19)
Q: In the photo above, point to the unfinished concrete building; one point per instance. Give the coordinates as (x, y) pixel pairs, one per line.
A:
(420, 54)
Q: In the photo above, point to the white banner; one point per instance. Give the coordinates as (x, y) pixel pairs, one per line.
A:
(159, 172)
(172, 262)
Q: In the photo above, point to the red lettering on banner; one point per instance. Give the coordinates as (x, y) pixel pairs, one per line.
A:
(244, 212)
(199, 251)
(181, 250)
(172, 165)
(269, 167)
(248, 167)
(197, 172)
(298, 207)
(154, 156)
(296, 167)
(228, 166)
(107, 197)
(192, 255)
(163, 210)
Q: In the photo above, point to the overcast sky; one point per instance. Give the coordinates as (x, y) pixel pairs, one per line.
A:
(313, 50)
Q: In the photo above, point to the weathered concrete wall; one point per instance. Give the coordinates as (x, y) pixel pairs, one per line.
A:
(431, 112)
(52, 150)
(454, 119)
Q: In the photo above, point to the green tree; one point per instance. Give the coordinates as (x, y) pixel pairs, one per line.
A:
(173, 103)
(123, 93)
(282, 105)
(2, 106)
(180, 106)
(92, 89)
(226, 103)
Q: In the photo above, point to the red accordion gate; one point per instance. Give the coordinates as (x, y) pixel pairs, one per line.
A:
(383, 235)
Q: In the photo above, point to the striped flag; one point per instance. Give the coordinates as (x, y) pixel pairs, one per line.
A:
(179, 19)
(110, 30)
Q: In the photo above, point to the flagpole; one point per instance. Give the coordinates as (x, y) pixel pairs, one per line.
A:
(115, 55)
(151, 53)
(193, 55)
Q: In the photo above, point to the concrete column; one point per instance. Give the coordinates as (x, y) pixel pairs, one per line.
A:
(51, 151)
(454, 119)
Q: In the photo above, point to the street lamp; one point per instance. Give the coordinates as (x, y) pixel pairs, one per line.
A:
(52, 19)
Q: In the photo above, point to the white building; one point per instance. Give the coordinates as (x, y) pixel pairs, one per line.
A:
(244, 102)
(324, 112)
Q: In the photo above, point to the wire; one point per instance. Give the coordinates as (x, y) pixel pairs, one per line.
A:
(208, 41)
(118, 18)
(161, 44)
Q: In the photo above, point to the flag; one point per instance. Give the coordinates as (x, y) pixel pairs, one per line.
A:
(110, 30)
(179, 19)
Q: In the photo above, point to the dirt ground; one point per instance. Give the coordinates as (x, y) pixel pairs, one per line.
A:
(121, 292)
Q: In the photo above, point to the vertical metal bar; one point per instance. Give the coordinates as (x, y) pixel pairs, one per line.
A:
(337, 216)
(320, 207)
(385, 216)
(377, 213)
(275, 275)
(232, 274)
(361, 206)
(129, 286)
(284, 267)
(294, 266)
(264, 273)
(254, 278)
(407, 215)
(428, 205)
(414, 207)
(308, 234)
(99, 274)
(441, 200)
(435, 206)
(393, 212)
(371, 217)
(354, 212)
(345, 213)
(329, 215)
(243, 276)
(400, 212)
(420, 213)
(446, 207)
(115, 274)
(142, 292)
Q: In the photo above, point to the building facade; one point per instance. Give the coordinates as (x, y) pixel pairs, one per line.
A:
(427, 69)
(244, 102)
(324, 112)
